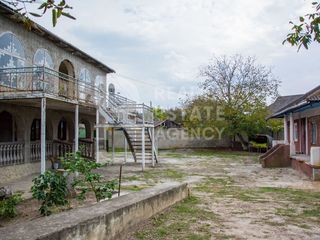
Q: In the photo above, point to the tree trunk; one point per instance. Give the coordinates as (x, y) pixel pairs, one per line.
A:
(244, 143)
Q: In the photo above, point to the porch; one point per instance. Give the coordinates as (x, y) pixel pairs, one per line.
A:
(13, 153)
(301, 157)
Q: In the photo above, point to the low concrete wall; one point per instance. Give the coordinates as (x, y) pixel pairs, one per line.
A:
(313, 172)
(175, 138)
(106, 220)
(10, 173)
(277, 156)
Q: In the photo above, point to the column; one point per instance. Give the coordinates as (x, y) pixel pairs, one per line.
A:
(97, 136)
(307, 136)
(292, 145)
(105, 138)
(113, 146)
(153, 149)
(125, 149)
(43, 135)
(143, 148)
(76, 128)
(285, 130)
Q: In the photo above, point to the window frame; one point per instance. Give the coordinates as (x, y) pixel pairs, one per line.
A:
(295, 132)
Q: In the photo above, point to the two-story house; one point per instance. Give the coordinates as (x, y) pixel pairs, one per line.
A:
(49, 89)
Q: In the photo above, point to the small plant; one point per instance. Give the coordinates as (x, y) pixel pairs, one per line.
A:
(51, 189)
(87, 179)
(8, 205)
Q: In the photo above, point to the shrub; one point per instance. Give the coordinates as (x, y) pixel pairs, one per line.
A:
(8, 205)
(51, 189)
(87, 180)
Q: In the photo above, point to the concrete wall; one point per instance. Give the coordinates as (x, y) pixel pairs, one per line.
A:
(173, 138)
(32, 42)
(106, 220)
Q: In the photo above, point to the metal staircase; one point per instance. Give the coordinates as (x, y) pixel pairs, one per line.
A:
(134, 138)
(137, 123)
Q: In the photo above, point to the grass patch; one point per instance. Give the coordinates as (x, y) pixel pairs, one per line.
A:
(206, 153)
(133, 188)
(182, 221)
(163, 173)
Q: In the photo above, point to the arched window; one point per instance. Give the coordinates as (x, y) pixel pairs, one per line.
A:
(42, 58)
(35, 130)
(85, 75)
(11, 51)
(11, 56)
(62, 129)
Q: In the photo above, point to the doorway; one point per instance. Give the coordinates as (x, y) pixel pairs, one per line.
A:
(66, 79)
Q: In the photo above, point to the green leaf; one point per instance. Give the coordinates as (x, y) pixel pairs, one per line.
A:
(59, 12)
(68, 15)
(54, 17)
(301, 19)
(35, 14)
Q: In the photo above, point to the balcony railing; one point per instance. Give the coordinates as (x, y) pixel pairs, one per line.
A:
(45, 80)
(11, 153)
(42, 79)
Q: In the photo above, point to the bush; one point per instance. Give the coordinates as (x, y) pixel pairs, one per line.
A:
(51, 189)
(8, 205)
(87, 179)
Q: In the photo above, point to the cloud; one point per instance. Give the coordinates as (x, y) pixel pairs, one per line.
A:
(163, 43)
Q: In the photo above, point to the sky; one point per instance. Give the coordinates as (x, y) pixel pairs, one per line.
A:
(158, 47)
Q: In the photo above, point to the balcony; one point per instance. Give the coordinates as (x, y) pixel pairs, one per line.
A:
(33, 81)
(36, 81)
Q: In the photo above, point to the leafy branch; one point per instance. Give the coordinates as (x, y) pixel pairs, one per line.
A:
(307, 30)
(58, 8)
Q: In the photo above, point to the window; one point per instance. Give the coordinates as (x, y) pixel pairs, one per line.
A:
(313, 133)
(42, 58)
(11, 56)
(295, 132)
(82, 131)
(85, 75)
(35, 130)
(62, 130)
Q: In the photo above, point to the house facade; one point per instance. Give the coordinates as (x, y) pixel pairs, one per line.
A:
(49, 89)
(300, 147)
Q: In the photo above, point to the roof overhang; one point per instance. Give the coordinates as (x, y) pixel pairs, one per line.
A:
(11, 14)
(296, 108)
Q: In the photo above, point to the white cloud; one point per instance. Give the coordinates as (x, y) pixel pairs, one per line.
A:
(184, 34)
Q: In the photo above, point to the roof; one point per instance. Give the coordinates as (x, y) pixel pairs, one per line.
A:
(282, 102)
(167, 123)
(298, 103)
(8, 12)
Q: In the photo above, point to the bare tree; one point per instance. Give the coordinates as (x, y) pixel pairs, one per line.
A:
(241, 87)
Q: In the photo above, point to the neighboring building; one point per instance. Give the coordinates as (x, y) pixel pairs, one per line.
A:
(280, 103)
(50, 89)
(300, 147)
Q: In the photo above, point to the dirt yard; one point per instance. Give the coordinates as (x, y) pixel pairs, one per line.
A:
(232, 197)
